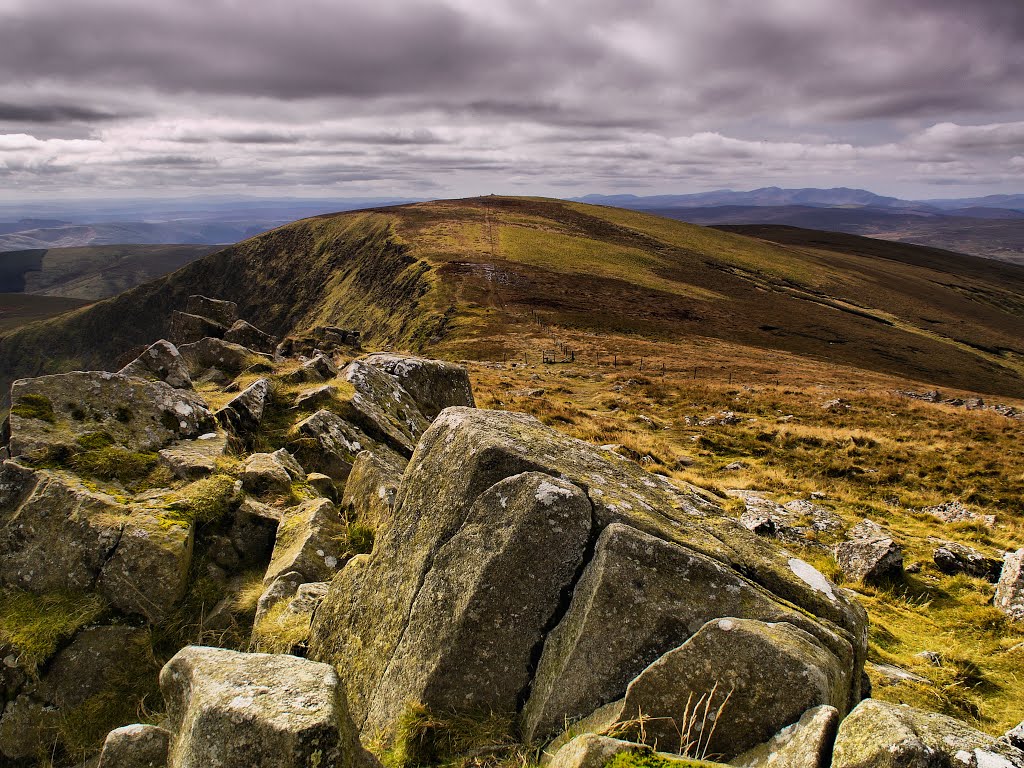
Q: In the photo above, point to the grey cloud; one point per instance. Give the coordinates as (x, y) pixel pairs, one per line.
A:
(52, 113)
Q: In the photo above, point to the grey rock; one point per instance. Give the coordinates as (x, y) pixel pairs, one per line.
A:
(953, 558)
(255, 710)
(281, 588)
(136, 746)
(870, 560)
(318, 368)
(381, 408)
(325, 442)
(598, 648)
(248, 335)
(163, 362)
(193, 459)
(486, 600)
(265, 473)
(1015, 736)
(243, 414)
(1010, 589)
(955, 512)
(218, 310)
(207, 353)
(805, 744)
(323, 485)
(758, 677)
(253, 531)
(372, 488)
(315, 397)
(311, 539)
(882, 735)
(186, 328)
(891, 674)
(589, 750)
(138, 414)
(26, 723)
(433, 384)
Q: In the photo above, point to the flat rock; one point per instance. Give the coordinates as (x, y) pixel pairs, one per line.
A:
(136, 746)
(590, 750)
(486, 600)
(311, 539)
(255, 710)
(881, 735)
(223, 312)
(1010, 589)
(805, 744)
(193, 459)
(759, 677)
(161, 361)
(433, 384)
(138, 414)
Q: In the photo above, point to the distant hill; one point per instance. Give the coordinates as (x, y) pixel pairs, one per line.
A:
(18, 309)
(765, 196)
(93, 272)
(456, 277)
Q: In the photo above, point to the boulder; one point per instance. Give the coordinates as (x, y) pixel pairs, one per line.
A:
(486, 601)
(883, 735)
(378, 405)
(433, 384)
(953, 558)
(874, 560)
(598, 648)
(325, 442)
(955, 512)
(251, 337)
(266, 473)
(136, 746)
(466, 451)
(218, 310)
(207, 353)
(590, 750)
(1015, 736)
(186, 328)
(255, 710)
(311, 539)
(733, 685)
(138, 414)
(323, 485)
(315, 397)
(161, 361)
(1010, 589)
(372, 487)
(805, 744)
(193, 459)
(318, 368)
(283, 587)
(243, 414)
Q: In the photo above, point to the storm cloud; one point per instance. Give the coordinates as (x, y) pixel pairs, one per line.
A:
(395, 97)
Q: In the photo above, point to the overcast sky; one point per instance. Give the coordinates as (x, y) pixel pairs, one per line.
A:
(111, 98)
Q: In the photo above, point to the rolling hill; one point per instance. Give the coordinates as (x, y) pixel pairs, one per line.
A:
(486, 277)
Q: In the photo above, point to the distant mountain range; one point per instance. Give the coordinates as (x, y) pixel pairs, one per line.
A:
(990, 226)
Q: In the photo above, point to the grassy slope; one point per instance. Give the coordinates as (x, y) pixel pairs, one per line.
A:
(18, 309)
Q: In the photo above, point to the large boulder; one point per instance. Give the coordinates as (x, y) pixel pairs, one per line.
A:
(804, 744)
(248, 335)
(882, 735)
(186, 328)
(952, 558)
(137, 414)
(871, 560)
(378, 405)
(671, 591)
(1010, 589)
(220, 311)
(243, 414)
(733, 685)
(372, 488)
(208, 352)
(311, 540)
(433, 384)
(255, 710)
(327, 443)
(465, 452)
(161, 361)
(486, 601)
(136, 746)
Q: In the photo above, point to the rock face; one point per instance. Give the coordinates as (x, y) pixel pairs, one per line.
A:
(805, 744)
(433, 384)
(882, 735)
(136, 746)
(1010, 589)
(367, 615)
(240, 710)
(953, 558)
(672, 591)
(138, 414)
(163, 362)
(486, 601)
(758, 677)
(870, 556)
(382, 408)
(327, 443)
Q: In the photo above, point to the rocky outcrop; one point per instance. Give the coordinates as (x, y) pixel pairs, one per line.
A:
(367, 616)
(327, 443)
(733, 685)
(883, 735)
(590, 750)
(222, 312)
(240, 710)
(805, 744)
(163, 362)
(380, 407)
(1010, 590)
(270, 473)
(187, 328)
(433, 384)
(57, 412)
(210, 353)
(952, 558)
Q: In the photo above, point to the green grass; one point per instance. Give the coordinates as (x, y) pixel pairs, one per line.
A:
(34, 626)
(114, 463)
(454, 740)
(639, 758)
(34, 406)
(204, 501)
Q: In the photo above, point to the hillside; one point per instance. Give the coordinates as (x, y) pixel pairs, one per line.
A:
(462, 276)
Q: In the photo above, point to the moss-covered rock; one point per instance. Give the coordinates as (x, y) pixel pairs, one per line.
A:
(372, 488)
(730, 687)
(255, 710)
(598, 648)
(882, 735)
(805, 744)
(193, 459)
(136, 414)
(311, 540)
(433, 384)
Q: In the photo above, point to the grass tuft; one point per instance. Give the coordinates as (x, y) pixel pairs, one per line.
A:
(34, 626)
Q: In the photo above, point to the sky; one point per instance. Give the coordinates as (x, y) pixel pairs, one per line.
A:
(122, 98)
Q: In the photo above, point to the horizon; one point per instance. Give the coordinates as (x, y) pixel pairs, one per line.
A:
(103, 99)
